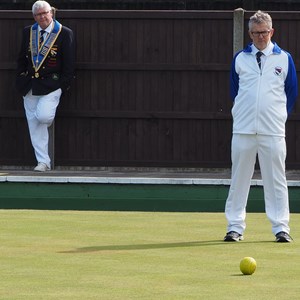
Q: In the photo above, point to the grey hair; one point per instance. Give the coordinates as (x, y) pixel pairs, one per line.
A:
(40, 4)
(260, 17)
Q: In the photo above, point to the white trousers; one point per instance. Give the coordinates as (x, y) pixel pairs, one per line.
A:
(271, 151)
(40, 112)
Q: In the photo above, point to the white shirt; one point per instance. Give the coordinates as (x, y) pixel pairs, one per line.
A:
(47, 30)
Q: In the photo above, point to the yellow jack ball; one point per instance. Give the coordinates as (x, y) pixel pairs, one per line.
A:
(248, 265)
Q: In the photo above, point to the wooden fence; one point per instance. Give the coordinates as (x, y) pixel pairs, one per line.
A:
(151, 89)
(267, 5)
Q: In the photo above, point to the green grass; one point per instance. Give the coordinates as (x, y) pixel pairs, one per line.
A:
(141, 255)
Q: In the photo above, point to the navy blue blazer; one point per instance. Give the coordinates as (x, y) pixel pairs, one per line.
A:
(57, 70)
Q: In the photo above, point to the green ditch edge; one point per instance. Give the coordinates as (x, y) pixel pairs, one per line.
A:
(128, 197)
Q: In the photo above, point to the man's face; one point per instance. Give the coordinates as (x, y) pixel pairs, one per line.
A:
(261, 35)
(43, 17)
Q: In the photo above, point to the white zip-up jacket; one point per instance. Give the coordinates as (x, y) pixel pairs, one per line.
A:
(262, 98)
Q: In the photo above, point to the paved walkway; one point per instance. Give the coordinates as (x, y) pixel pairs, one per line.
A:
(134, 176)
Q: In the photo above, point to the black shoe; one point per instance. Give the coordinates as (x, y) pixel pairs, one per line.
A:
(283, 237)
(233, 236)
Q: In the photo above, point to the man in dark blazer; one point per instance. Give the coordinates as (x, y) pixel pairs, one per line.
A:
(45, 68)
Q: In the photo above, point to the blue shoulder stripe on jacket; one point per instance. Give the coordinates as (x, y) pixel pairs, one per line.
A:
(291, 84)
(248, 48)
(234, 78)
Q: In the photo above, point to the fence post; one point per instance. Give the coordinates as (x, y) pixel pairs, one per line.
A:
(51, 144)
(238, 30)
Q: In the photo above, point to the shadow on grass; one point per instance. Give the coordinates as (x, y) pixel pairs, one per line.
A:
(154, 246)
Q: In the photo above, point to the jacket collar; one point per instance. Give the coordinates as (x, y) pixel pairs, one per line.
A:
(248, 48)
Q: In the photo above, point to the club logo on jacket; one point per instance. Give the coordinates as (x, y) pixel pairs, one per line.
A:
(53, 51)
(278, 71)
(52, 58)
(55, 76)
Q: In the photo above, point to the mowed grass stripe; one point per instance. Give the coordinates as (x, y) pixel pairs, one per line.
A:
(141, 255)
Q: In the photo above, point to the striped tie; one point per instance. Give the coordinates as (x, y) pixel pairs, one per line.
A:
(258, 55)
(42, 36)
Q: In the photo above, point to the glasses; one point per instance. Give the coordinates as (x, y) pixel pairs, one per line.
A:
(263, 33)
(42, 14)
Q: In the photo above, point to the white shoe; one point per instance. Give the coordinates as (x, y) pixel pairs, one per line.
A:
(41, 167)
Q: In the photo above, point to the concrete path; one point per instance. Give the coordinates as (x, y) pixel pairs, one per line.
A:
(134, 176)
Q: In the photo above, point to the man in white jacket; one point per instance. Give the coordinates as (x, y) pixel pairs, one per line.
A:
(264, 90)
